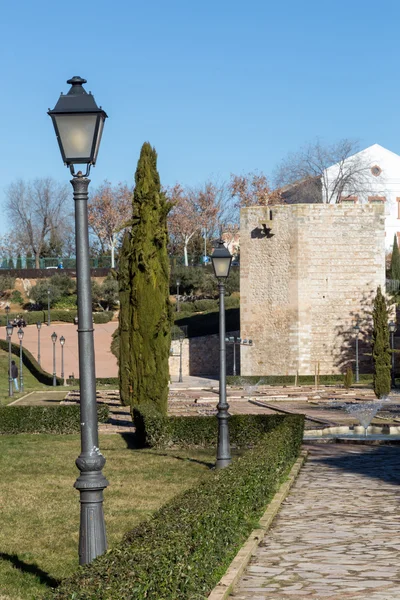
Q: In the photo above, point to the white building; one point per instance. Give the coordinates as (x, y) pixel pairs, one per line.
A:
(376, 179)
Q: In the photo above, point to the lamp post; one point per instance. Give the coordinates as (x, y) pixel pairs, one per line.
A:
(21, 376)
(54, 339)
(62, 342)
(357, 332)
(392, 329)
(9, 331)
(221, 259)
(233, 340)
(7, 309)
(78, 123)
(48, 308)
(181, 338)
(178, 283)
(39, 326)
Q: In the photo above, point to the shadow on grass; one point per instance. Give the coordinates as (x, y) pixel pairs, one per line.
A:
(209, 465)
(131, 440)
(33, 569)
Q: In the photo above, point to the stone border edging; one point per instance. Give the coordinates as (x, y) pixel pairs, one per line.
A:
(226, 584)
(22, 398)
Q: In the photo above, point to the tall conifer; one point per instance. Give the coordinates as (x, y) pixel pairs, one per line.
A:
(381, 352)
(145, 311)
(395, 262)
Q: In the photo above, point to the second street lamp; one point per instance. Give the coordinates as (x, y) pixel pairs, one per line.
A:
(221, 260)
(62, 342)
(78, 123)
(7, 309)
(178, 283)
(54, 339)
(39, 326)
(9, 331)
(21, 376)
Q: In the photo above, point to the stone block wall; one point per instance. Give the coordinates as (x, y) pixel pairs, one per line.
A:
(308, 273)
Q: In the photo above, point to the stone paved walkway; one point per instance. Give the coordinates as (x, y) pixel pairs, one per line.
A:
(337, 536)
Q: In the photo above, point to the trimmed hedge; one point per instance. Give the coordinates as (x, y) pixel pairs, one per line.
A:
(99, 380)
(290, 379)
(45, 419)
(159, 431)
(185, 548)
(65, 316)
(31, 364)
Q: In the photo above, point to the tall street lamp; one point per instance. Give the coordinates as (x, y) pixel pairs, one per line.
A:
(21, 376)
(62, 342)
(7, 309)
(48, 308)
(221, 259)
(39, 326)
(9, 331)
(357, 332)
(178, 283)
(54, 339)
(392, 329)
(78, 123)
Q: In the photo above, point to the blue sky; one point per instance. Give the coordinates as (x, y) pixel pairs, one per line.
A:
(217, 86)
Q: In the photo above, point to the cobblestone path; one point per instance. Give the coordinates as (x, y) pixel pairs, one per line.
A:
(337, 535)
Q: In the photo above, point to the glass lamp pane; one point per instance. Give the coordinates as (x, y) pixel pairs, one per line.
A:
(76, 135)
(221, 266)
(99, 134)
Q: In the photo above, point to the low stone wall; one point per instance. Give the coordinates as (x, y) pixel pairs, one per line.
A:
(200, 356)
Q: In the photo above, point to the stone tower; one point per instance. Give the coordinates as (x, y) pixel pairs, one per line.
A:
(308, 273)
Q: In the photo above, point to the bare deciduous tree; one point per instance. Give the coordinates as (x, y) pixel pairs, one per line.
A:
(109, 210)
(324, 173)
(35, 209)
(252, 189)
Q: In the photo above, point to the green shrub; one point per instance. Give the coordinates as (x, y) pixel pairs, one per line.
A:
(16, 297)
(64, 283)
(31, 364)
(66, 302)
(186, 307)
(185, 548)
(103, 317)
(6, 283)
(232, 302)
(205, 305)
(99, 380)
(45, 419)
(159, 431)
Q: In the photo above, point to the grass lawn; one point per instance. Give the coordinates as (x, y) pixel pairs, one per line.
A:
(30, 382)
(39, 516)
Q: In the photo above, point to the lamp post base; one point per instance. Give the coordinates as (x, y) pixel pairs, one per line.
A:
(91, 483)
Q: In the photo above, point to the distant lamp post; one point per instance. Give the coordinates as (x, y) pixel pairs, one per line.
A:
(39, 326)
(7, 309)
(62, 342)
(221, 260)
(21, 376)
(9, 331)
(178, 283)
(357, 332)
(392, 329)
(48, 308)
(54, 339)
(78, 124)
(181, 338)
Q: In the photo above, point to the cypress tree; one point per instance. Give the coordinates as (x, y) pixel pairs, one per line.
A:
(19, 262)
(145, 312)
(395, 261)
(381, 352)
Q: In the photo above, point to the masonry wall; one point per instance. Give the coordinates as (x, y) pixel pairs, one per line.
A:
(306, 276)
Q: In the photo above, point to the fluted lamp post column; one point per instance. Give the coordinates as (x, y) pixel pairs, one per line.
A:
(7, 309)
(9, 331)
(62, 342)
(48, 308)
(178, 283)
(39, 326)
(78, 123)
(392, 329)
(21, 375)
(54, 339)
(221, 260)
